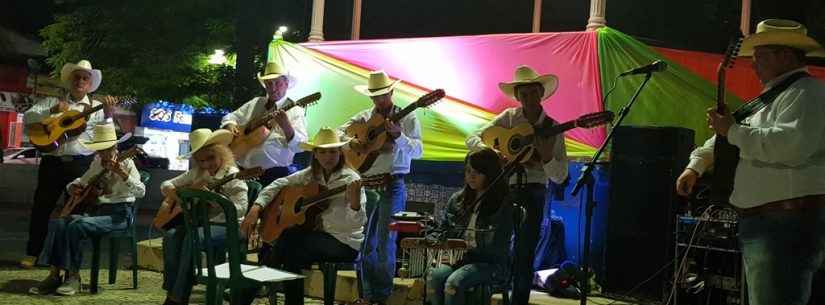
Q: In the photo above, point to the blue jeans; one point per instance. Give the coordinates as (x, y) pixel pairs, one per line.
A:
(63, 245)
(378, 249)
(532, 198)
(448, 286)
(178, 266)
(782, 250)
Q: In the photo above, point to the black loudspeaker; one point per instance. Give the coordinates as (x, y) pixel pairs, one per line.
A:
(641, 216)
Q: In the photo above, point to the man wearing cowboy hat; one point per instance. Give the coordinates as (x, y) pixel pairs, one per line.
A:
(120, 186)
(68, 162)
(288, 129)
(779, 186)
(530, 89)
(403, 145)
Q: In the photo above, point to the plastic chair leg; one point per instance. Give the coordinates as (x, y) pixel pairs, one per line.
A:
(114, 254)
(330, 271)
(95, 265)
(133, 242)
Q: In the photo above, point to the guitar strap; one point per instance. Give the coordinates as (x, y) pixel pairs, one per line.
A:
(763, 100)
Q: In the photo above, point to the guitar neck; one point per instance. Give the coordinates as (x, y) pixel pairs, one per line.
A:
(216, 184)
(261, 121)
(325, 195)
(720, 89)
(556, 129)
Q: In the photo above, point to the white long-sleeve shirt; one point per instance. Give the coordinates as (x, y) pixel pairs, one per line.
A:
(535, 172)
(276, 151)
(781, 147)
(121, 190)
(339, 220)
(408, 145)
(40, 111)
(235, 190)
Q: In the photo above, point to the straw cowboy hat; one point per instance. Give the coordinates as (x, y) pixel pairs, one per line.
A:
(200, 138)
(526, 75)
(784, 33)
(104, 137)
(273, 70)
(378, 84)
(84, 65)
(325, 138)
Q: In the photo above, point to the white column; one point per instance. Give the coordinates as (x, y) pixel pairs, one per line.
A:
(745, 23)
(536, 16)
(597, 19)
(316, 32)
(356, 20)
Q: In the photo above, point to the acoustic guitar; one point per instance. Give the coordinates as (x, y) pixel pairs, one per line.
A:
(253, 135)
(293, 206)
(48, 134)
(77, 205)
(510, 141)
(725, 155)
(169, 215)
(373, 133)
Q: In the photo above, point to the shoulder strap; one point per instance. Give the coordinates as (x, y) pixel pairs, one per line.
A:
(766, 98)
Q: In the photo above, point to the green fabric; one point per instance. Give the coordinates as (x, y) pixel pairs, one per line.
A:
(674, 97)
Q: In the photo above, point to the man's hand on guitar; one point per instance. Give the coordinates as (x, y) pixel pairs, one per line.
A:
(61, 106)
(356, 145)
(170, 193)
(393, 129)
(686, 181)
(280, 118)
(720, 123)
(75, 190)
(109, 103)
(114, 166)
(233, 128)
(250, 221)
(354, 195)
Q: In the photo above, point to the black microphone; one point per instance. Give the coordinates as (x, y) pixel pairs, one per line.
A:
(656, 66)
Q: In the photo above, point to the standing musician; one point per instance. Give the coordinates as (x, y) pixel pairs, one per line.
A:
(120, 185)
(212, 161)
(287, 128)
(341, 228)
(779, 187)
(550, 161)
(59, 167)
(393, 162)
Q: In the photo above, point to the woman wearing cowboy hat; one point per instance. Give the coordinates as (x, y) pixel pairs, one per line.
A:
(212, 161)
(120, 186)
(779, 186)
(59, 167)
(529, 89)
(342, 224)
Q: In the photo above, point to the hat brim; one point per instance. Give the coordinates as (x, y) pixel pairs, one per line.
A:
(790, 39)
(309, 146)
(291, 80)
(220, 136)
(363, 89)
(103, 145)
(550, 83)
(69, 68)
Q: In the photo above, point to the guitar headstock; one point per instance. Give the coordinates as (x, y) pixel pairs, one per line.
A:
(594, 119)
(308, 100)
(731, 51)
(131, 153)
(430, 98)
(249, 173)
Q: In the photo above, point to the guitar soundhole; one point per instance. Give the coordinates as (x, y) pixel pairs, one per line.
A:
(66, 122)
(515, 144)
(298, 206)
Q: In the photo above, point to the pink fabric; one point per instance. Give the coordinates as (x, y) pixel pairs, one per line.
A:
(470, 68)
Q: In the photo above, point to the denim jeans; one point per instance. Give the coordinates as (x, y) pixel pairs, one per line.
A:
(448, 286)
(532, 198)
(782, 251)
(178, 264)
(63, 245)
(378, 249)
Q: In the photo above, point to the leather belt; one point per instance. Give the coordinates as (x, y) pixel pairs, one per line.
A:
(380, 180)
(798, 203)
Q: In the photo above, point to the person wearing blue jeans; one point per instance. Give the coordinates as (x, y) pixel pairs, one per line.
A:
(178, 273)
(485, 226)
(119, 184)
(779, 184)
(403, 143)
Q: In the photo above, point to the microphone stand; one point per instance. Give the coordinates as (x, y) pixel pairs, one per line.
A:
(586, 179)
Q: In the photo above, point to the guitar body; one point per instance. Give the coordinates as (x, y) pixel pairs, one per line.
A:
(167, 215)
(286, 210)
(365, 133)
(77, 205)
(243, 143)
(725, 155)
(48, 134)
(509, 142)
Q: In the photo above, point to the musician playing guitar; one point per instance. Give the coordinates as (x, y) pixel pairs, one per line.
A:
(549, 161)
(68, 161)
(286, 129)
(213, 160)
(779, 183)
(120, 186)
(402, 145)
(339, 232)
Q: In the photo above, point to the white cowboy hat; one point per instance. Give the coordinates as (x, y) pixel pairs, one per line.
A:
(200, 138)
(104, 137)
(782, 32)
(325, 138)
(273, 70)
(378, 84)
(85, 65)
(526, 75)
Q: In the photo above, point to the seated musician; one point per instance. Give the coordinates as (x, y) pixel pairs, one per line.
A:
(339, 232)
(486, 227)
(212, 161)
(119, 186)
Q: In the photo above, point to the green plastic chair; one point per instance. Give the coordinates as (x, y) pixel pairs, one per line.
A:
(114, 247)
